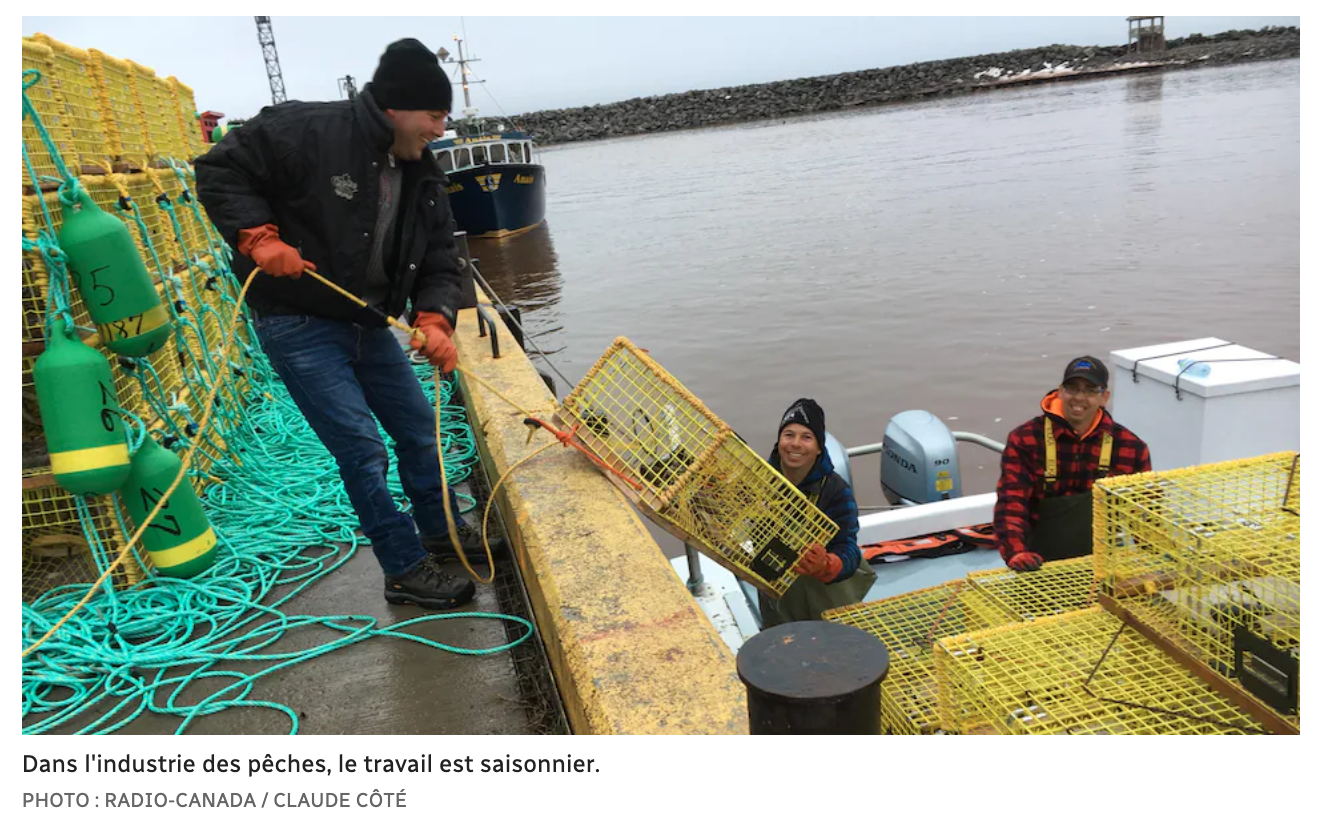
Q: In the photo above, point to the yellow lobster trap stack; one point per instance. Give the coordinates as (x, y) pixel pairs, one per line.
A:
(910, 625)
(1185, 620)
(1206, 561)
(129, 137)
(105, 114)
(689, 472)
(1076, 673)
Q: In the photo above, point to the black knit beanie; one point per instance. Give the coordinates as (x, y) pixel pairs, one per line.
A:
(410, 78)
(810, 415)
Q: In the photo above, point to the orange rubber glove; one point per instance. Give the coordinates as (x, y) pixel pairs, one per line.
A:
(264, 246)
(820, 564)
(439, 347)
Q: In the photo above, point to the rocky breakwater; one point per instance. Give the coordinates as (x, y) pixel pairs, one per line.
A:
(720, 106)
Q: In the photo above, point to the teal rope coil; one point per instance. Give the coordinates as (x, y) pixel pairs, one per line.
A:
(142, 648)
(271, 496)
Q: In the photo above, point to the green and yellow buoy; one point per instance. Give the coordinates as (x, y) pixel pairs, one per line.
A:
(179, 539)
(112, 280)
(80, 415)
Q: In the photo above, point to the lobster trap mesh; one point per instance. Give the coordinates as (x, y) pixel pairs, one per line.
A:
(908, 625)
(74, 82)
(34, 450)
(60, 544)
(155, 105)
(1209, 558)
(192, 236)
(1058, 587)
(34, 297)
(689, 472)
(186, 118)
(119, 108)
(1077, 673)
(50, 106)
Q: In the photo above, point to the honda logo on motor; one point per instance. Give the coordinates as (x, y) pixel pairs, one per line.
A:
(903, 462)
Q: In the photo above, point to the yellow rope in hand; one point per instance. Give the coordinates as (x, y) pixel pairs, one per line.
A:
(398, 325)
(445, 499)
(440, 444)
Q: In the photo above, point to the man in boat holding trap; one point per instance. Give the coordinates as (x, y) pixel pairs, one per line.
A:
(349, 190)
(1044, 496)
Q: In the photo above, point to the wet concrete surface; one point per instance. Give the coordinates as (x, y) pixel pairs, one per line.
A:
(379, 686)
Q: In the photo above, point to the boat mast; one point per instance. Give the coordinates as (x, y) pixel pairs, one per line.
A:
(463, 77)
(470, 112)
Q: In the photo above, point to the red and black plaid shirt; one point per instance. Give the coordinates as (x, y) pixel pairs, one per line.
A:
(1023, 465)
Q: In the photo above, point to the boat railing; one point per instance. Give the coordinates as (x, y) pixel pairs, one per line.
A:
(958, 435)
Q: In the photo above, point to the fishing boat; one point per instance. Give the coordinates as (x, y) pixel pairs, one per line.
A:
(496, 188)
(1247, 406)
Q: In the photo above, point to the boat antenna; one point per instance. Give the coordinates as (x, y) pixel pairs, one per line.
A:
(464, 72)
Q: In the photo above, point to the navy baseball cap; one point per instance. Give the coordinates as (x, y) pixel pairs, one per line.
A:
(1087, 368)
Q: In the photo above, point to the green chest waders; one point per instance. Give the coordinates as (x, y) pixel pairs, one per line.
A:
(807, 598)
(1064, 522)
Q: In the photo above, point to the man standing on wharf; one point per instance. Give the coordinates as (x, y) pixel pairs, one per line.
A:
(348, 189)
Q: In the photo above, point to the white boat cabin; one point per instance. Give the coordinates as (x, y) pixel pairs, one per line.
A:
(494, 152)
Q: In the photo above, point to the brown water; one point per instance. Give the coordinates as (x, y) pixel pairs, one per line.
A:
(949, 256)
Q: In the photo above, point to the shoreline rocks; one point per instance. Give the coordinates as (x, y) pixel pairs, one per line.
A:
(810, 95)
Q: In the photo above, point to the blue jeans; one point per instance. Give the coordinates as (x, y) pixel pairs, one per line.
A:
(340, 374)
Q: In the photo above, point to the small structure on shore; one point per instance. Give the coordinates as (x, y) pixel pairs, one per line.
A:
(1147, 34)
(210, 122)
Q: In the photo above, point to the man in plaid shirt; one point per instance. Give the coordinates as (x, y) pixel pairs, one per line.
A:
(1044, 497)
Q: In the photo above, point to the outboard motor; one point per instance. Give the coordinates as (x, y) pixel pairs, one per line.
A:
(919, 463)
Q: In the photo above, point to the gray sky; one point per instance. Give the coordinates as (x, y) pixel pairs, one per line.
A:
(533, 63)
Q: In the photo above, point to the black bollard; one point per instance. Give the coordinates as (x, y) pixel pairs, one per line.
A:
(813, 678)
(512, 317)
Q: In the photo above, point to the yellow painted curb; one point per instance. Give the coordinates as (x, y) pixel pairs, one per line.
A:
(631, 651)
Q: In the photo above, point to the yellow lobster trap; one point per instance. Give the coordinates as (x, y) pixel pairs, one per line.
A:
(908, 625)
(1207, 558)
(49, 104)
(689, 472)
(62, 545)
(1076, 673)
(76, 94)
(1058, 587)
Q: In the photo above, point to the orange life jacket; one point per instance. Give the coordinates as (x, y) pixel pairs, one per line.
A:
(950, 542)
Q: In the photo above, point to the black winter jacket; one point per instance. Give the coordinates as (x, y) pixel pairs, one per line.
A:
(313, 170)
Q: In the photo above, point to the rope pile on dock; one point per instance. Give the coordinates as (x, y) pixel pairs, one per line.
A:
(107, 636)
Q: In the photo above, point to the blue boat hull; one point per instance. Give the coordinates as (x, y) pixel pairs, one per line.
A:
(498, 200)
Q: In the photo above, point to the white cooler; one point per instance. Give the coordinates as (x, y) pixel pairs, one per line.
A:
(1239, 410)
